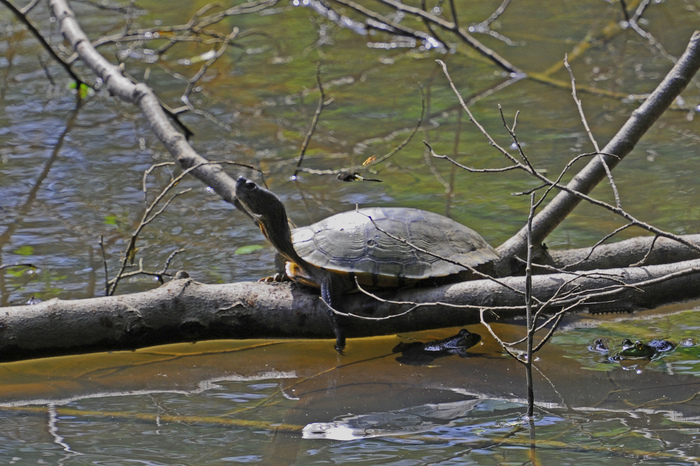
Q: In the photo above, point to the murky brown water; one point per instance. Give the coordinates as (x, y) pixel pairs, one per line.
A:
(69, 175)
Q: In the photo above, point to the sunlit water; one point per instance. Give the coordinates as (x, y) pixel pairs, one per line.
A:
(69, 176)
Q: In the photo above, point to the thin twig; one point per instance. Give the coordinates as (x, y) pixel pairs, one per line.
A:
(203, 69)
(459, 32)
(646, 256)
(514, 137)
(600, 242)
(640, 10)
(505, 346)
(497, 13)
(408, 139)
(375, 161)
(104, 264)
(29, 6)
(529, 317)
(172, 255)
(468, 168)
(582, 115)
(314, 121)
(381, 23)
(472, 119)
(146, 173)
(484, 27)
(148, 216)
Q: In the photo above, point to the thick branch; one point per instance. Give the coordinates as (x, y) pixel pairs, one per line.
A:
(183, 310)
(646, 250)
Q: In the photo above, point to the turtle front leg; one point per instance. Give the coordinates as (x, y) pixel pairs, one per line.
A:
(280, 271)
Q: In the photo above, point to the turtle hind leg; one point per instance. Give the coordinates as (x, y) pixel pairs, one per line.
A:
(339, 333)
(331, 294)
(338, 329)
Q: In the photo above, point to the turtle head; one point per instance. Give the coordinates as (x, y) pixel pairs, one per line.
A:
(268, 212)
(257, 201)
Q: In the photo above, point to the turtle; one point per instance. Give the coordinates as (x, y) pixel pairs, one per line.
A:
(376, 247)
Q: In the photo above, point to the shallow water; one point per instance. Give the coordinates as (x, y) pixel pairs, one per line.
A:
(296, 402)
(70, 175)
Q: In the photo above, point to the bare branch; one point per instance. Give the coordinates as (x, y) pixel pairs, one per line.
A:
(203, 69)
(643, 260)
(484, 27)
(459, 32)
(148, 216)
(381, 23)
(601, 241)
(504, 345)
(472, 118)
(467, 168)
(497, 13)
(146, 173)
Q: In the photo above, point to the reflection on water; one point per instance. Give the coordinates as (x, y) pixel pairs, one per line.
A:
(412, 420)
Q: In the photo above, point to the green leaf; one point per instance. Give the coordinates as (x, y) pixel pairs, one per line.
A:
(111, 220)
(25, 250)
(84, 91)
(247, 249)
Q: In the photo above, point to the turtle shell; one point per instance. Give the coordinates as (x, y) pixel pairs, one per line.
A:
(387, 247)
